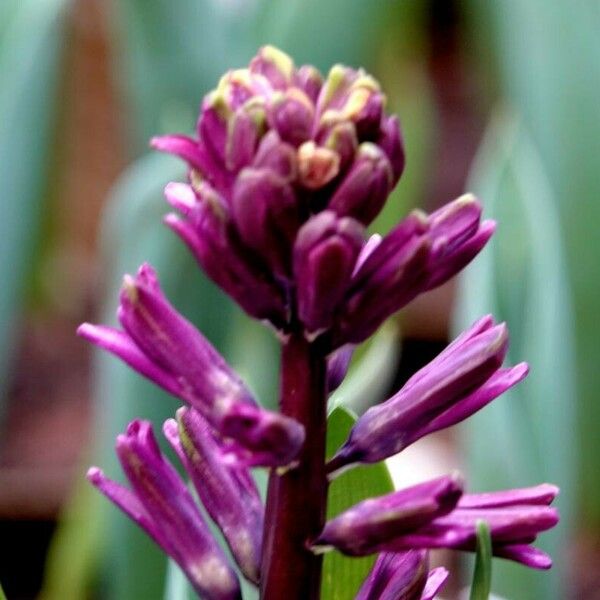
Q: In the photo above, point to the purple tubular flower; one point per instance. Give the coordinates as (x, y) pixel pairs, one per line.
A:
(393, 274)
(458, 236)
(430, 515)
(267, 216)
(366, 186)
(165, 347)
(515, 518)
(160, 503)
(227, 492)
(325, 253)
(402, 576)
(465, 377)
(421, 253)
(337, 366)
(208, 231)
(360, 529)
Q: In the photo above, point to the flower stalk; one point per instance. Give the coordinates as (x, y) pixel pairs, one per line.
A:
(296, 499)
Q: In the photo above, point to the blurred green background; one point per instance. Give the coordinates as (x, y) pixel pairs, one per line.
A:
(500, 98)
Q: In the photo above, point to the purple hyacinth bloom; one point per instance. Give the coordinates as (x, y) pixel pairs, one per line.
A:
(359, 529)
(464, 378)
(366, 187)
(419, 254)
(160, 503)
(325, 254)
(227, 492)
(402, 576)
(162, 345)
(337, 366)
(276, 144)
(208, 230)
(267, 216)
(515, 518)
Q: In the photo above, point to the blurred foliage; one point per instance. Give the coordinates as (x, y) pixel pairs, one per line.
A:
(547, 56)
(521, 278)
(31, 43)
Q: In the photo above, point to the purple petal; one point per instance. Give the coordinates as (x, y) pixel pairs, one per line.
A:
(435, 582)
(368, 526)
(121, 345)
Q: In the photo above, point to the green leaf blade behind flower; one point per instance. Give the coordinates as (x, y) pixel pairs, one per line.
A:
(343, 575)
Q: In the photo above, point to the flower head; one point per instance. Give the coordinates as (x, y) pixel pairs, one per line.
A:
(160, 503)
(162, 345)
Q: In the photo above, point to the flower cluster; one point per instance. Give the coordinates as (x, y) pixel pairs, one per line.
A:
(287, 170)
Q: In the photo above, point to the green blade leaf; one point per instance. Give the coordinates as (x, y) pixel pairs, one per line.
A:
(342, 575)
(482, 574)
(31, 35)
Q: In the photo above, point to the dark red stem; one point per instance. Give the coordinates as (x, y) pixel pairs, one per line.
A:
(296, 499)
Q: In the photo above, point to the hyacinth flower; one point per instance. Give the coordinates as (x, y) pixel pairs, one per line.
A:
(163, 346)
(402, 576)
(286, 170)
(227, 492)
(465, 377)
(416, 518)
(160, 503)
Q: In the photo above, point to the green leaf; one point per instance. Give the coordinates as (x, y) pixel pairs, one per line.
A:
(482, 574)
(521, 278)
(31, 34)
(342, 575)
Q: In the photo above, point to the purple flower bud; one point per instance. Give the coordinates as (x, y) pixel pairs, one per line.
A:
(337, 366)
(208, 232)
(402, 576)
(367, 526)
(462, 379)
(245, 130)
(292, 114)
(276, 156)
(393, 274)
(161, 504)
(515, 518)
(458, 236)
(390, 140)
(276, 66)
(342, 140)
(267, 216)
(365, 187)
(421, 253)
(349, 95)
(325, 253)
(227, 492)
(309, 80)
(168, 349)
